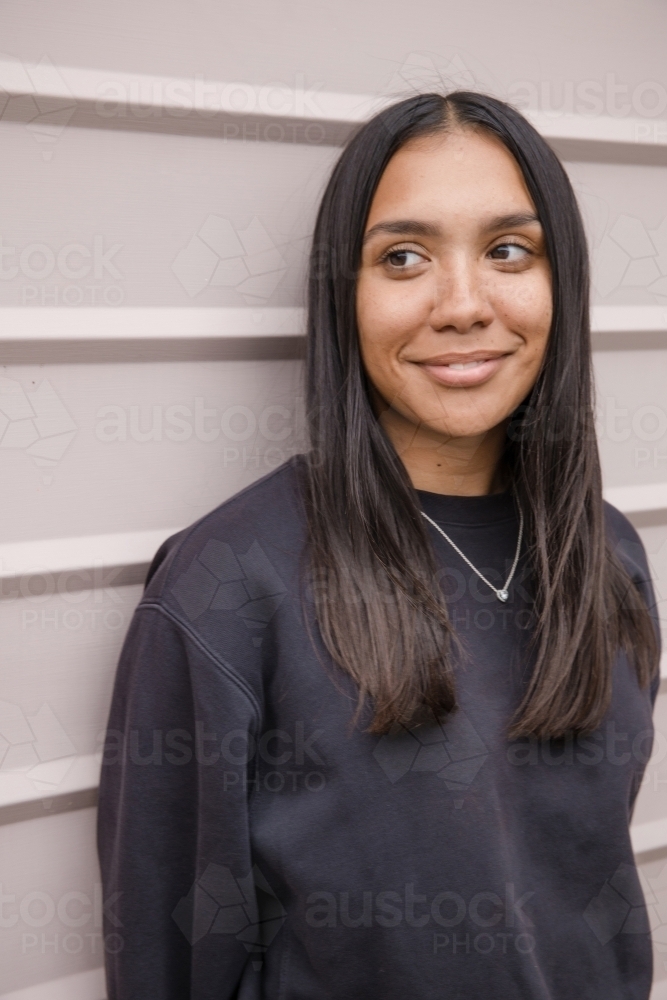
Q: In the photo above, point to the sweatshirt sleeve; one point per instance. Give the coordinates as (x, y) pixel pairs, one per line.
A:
(629, 548)
(180, 911)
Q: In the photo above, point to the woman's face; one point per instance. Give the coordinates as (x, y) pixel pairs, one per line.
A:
(454, 295)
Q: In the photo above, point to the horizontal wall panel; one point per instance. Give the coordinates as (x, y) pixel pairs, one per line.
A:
(156, 220)
(59, 659)
(68, 335)
(59, 662)
(128, 325)
(625, 212)
(89, 985)
(52, 900)
(637, 500)
(632, 417)
(71, 555)
(607, 321)
(57, 785)
(101, 449)
(138, 102)
(35, 325)
(284, 45)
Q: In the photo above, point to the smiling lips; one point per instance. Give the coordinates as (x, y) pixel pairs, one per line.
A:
(460, 370)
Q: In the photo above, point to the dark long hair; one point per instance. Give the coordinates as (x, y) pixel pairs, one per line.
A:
(381, 616)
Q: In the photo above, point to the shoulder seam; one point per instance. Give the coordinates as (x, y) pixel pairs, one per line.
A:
(225, 668)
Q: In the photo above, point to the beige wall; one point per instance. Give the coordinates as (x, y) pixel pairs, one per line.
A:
(170, 250)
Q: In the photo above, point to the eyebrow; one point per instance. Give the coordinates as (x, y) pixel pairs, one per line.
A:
(513, 221)
(402, 226)
(415, 227)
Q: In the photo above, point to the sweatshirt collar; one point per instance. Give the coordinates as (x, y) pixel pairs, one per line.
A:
(465, 510)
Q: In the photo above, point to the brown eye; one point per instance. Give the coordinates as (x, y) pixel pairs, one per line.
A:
(511, 252)
(402, 258)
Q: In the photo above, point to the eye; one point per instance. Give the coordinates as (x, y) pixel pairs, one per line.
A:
(401, 257)
(513, 253)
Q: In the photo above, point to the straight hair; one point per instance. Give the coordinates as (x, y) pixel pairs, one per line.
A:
(381, 615)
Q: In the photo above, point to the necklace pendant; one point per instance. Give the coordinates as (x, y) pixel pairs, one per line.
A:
(502, 595)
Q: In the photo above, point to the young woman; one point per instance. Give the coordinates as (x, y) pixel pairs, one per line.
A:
(381, 718)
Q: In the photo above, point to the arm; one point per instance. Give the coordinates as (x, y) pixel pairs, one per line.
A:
(173, 825)
(629, 548)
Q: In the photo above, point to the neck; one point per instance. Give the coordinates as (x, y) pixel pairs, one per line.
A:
(458, 466)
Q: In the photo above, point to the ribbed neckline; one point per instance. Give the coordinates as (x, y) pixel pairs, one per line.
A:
(488, 509)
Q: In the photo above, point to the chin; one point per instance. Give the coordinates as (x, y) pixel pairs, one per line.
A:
(466, 431)
(461, 425)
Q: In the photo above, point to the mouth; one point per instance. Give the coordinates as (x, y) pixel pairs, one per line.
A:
(461, 370)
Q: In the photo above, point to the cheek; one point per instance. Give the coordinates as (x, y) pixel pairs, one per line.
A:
(378, 355)
(527, 309)
(382, 320)
(387, 311)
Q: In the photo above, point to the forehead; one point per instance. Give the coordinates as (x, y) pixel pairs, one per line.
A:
(456, 173)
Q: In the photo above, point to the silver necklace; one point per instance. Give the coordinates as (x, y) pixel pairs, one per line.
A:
(503, 593)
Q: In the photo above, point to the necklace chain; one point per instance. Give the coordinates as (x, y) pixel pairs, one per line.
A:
(501, 593)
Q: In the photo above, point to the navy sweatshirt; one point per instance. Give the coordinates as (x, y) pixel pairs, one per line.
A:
(254, 844)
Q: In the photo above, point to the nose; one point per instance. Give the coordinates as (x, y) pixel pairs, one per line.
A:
(460, 303)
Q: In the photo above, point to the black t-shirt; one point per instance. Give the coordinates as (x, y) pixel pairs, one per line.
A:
(254, 844)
